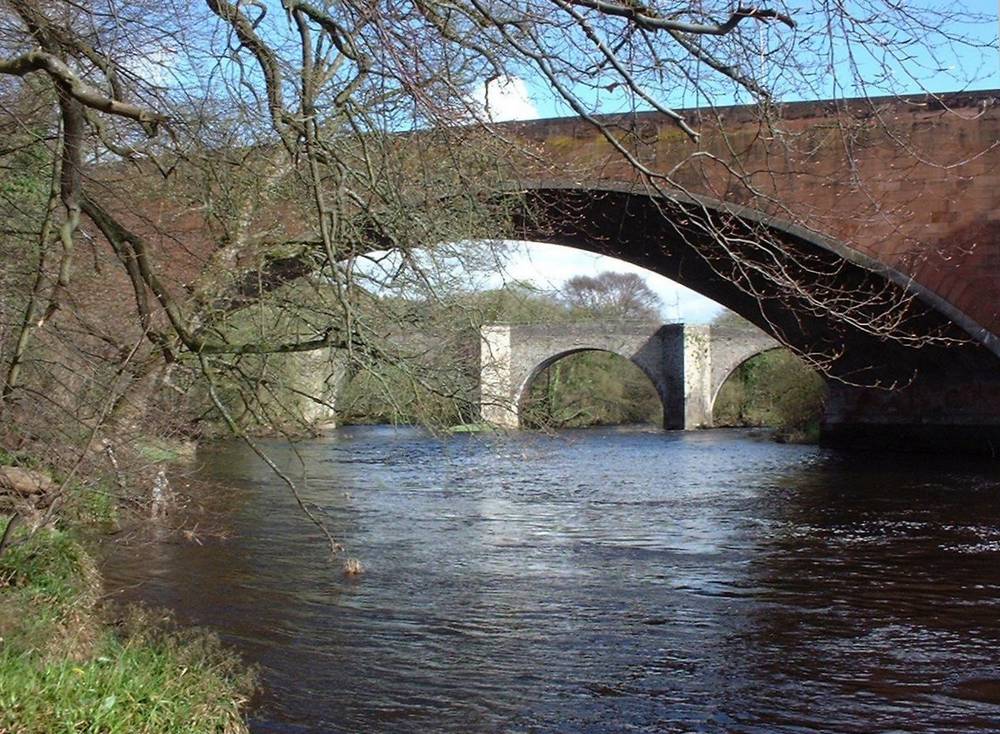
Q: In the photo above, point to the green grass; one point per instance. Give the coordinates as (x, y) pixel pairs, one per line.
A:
(164, 451)
(134, 682)
(471, 428)
(18, 458)
(48, 565)
(63, 670)
(92, 506)
(90, 503)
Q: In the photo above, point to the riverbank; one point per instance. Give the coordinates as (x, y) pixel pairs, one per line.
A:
(68, 663)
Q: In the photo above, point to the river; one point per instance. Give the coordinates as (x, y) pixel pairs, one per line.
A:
(601, 580)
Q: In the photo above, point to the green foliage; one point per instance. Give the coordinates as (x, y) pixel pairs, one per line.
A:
(517, 303)
(161, 450)
(774, 389)
(27, 172)
(25, 181)
(731, 320)
(139, 680)
(395, 395)
(48, 565)
(591, 388)
(18, 458)
(93, 506)
(62, 671)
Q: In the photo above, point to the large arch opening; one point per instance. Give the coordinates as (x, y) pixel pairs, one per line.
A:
(906, 368)
(867, 322)
(584, 388)
(937, 362)
(708, 247)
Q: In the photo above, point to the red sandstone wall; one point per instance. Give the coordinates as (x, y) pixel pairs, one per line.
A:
(912, 184)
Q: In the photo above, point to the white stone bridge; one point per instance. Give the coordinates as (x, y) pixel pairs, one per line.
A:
(686, 364)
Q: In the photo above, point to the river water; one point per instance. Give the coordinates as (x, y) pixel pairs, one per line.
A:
(594, 581)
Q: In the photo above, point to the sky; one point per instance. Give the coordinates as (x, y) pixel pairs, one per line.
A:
(548, 266)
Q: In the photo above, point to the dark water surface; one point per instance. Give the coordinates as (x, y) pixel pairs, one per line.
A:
(598, 581)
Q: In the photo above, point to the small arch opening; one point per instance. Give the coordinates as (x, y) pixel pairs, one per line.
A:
(589, 388)
(773, 389)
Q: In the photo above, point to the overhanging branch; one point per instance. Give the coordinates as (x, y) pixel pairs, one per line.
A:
(82, 92)
(649, 19)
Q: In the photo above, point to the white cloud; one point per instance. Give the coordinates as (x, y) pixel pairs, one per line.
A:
(549, 266)
(155, 65)
(504, 99)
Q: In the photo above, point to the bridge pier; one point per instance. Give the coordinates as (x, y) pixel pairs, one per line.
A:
(311, 381)
(687, 402)
(497, 398)
(956, 414)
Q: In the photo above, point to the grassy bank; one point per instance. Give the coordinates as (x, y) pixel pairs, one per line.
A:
(66, 668)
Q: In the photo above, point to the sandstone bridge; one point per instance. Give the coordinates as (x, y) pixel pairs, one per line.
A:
(888, 207)
(881, 217)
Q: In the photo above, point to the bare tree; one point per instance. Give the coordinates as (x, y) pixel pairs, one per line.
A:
(618, 295)
(275, 103)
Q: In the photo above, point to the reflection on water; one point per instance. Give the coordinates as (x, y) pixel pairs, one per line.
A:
(598, 581)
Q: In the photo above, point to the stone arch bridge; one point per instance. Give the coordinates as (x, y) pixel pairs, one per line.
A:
(686, 364)
(882, 214)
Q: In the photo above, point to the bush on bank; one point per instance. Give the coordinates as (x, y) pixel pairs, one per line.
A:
(63, 670)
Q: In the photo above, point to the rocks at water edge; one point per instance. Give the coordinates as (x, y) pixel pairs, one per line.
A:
(25, 486)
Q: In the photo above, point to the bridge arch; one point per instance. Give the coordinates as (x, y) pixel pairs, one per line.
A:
(512, 355)
(935, 382)
(731, 349)
(724, 378)
(681, 237)
(781, 392)
(943, 391)
(651, 369)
